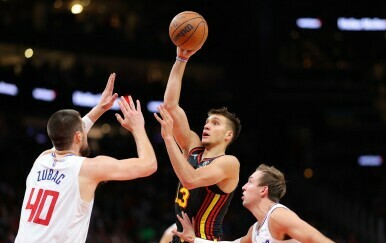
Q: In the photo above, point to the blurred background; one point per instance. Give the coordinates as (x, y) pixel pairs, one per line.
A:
(307, 79)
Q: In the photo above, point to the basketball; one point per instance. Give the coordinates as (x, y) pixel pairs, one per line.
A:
(188, 30)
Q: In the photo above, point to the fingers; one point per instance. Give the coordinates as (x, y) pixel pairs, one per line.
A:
(138, 105)
(185, 220)
(187, 53)
(131, 102)
(186, 217)
(163, 112)
(111, 79)
(119, 118)
(180, 219)
(193, 222)
(110, 83)
(187, 232)
(113, 98)
(175, 232)
(165, 116)
(127, 105)
(159, 108)
(158, 118)
(123, 104)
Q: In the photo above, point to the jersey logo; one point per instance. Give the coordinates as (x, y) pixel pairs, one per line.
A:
(204, 163)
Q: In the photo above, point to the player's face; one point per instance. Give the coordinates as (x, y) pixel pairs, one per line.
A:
(251, 190)
(215, 131)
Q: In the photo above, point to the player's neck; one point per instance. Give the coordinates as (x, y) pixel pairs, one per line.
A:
(264, 213)
(211, 152)
(64, 152)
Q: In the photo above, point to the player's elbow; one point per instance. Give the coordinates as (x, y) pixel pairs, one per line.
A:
(170, 106)
(151, 167)
(189, 184)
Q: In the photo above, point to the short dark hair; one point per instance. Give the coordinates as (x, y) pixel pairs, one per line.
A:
(62, 126)
(234, 120)
(274, 179)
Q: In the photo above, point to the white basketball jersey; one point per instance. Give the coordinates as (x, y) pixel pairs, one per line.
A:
(263, 235)
(53, 210)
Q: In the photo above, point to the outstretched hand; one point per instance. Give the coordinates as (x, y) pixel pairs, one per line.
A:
(108, 98)
(166, 122)
(105, 102)
(186, 53)
(187, 233)
(132, 115)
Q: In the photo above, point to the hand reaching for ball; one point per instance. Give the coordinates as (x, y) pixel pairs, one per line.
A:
(186, 54)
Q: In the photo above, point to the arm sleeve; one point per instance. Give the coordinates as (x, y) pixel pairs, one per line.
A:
(87, 123)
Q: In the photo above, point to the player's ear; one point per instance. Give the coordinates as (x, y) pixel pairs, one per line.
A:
(265, 190)
(78, 136)
(229, 135)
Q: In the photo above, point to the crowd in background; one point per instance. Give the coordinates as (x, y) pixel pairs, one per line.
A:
(307, 99)
(138, 211)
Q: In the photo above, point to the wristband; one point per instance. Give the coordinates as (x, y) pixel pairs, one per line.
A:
(181, 59)
(87, 123)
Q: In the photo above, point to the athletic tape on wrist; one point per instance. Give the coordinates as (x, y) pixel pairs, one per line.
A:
(87, 123)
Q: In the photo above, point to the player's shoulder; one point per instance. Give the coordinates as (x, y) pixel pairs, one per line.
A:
(229, 161)
(96, 159)
(282, 218)
(92, 167)
(280, 211)
(48, 151)
(230, 158)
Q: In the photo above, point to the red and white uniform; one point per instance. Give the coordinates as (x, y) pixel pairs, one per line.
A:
(53, 210)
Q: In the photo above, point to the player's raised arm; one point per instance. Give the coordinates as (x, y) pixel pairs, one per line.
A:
(105, 103)
(185, 138)
(106, 168)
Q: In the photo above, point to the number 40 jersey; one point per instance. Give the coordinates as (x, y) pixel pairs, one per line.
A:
(52, 209)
